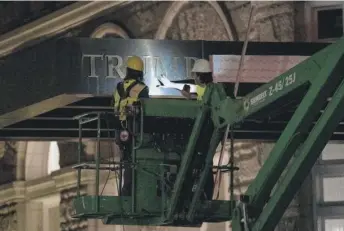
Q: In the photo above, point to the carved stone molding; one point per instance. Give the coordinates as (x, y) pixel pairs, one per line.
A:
(13, 192)
(8, 217)
(8, 161)
(67, 223)
(59, 181)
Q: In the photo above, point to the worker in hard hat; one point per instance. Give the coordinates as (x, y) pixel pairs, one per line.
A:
(128, 93)
(202, 74)
(132, 88)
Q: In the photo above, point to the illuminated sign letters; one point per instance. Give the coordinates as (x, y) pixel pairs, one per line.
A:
(113, 66)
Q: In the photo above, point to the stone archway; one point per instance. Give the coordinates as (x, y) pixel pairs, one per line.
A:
(176, 8)
(41, 159)
(109, 29)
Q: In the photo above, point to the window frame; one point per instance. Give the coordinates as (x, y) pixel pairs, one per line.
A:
(326, 171)
(311, 20)
(326, 210)
(321, 220)
(330, 162)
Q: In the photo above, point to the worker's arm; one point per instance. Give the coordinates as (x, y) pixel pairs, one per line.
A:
(144, 93)
(115, 95)
(186, 91)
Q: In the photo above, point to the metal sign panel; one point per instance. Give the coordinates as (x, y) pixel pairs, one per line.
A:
(94, 66)
(255, 69)
(104, 63)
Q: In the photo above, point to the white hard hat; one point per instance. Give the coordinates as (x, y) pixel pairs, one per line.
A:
(201, 66)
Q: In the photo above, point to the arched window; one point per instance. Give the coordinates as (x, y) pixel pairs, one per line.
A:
(41, 159)
(176, 8)
(53, 157)
(323, 21)
(109, 30)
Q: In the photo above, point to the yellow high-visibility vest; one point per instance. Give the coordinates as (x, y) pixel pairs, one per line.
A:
(200, 92)
(126, 95)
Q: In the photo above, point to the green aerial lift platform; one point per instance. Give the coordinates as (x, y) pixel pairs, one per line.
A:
(314, 89)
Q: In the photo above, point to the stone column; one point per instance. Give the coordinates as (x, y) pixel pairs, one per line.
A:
(8, 161)
(21, 216)
(36, 160)
(34, 215)
(21, 152)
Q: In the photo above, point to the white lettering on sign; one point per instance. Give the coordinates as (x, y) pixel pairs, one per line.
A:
(281, 84)
(115, 66)
(259, 98)
(274, 88)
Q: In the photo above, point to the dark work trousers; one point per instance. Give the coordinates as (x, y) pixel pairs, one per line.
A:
(209, 184)
(127, 174)
(126, 149)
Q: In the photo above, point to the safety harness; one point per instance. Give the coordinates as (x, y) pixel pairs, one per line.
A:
(124, 93)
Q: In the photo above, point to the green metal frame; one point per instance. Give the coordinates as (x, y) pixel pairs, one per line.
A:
(316, 83)
(302, 141)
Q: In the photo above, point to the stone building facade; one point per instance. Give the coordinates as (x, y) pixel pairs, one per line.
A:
(37, 183)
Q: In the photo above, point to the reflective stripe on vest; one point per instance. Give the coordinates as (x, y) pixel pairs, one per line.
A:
(200, 92)
(134, 87)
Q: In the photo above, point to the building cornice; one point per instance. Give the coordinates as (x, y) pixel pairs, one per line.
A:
(55, 23)
(13, 192)
(33, 189)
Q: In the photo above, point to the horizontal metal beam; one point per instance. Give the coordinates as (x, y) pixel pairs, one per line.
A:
(92, 166)
(54, 129)
(88, 107)
(106, 134)
(39, 108)
(40, 118)
(50, 138)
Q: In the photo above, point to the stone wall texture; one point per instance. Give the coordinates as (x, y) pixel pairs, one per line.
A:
(67, 223)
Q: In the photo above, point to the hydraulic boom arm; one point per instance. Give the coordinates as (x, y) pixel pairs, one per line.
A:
(314, 82)
(320, 79)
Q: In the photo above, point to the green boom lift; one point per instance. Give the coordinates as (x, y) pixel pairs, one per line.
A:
(314, 89)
